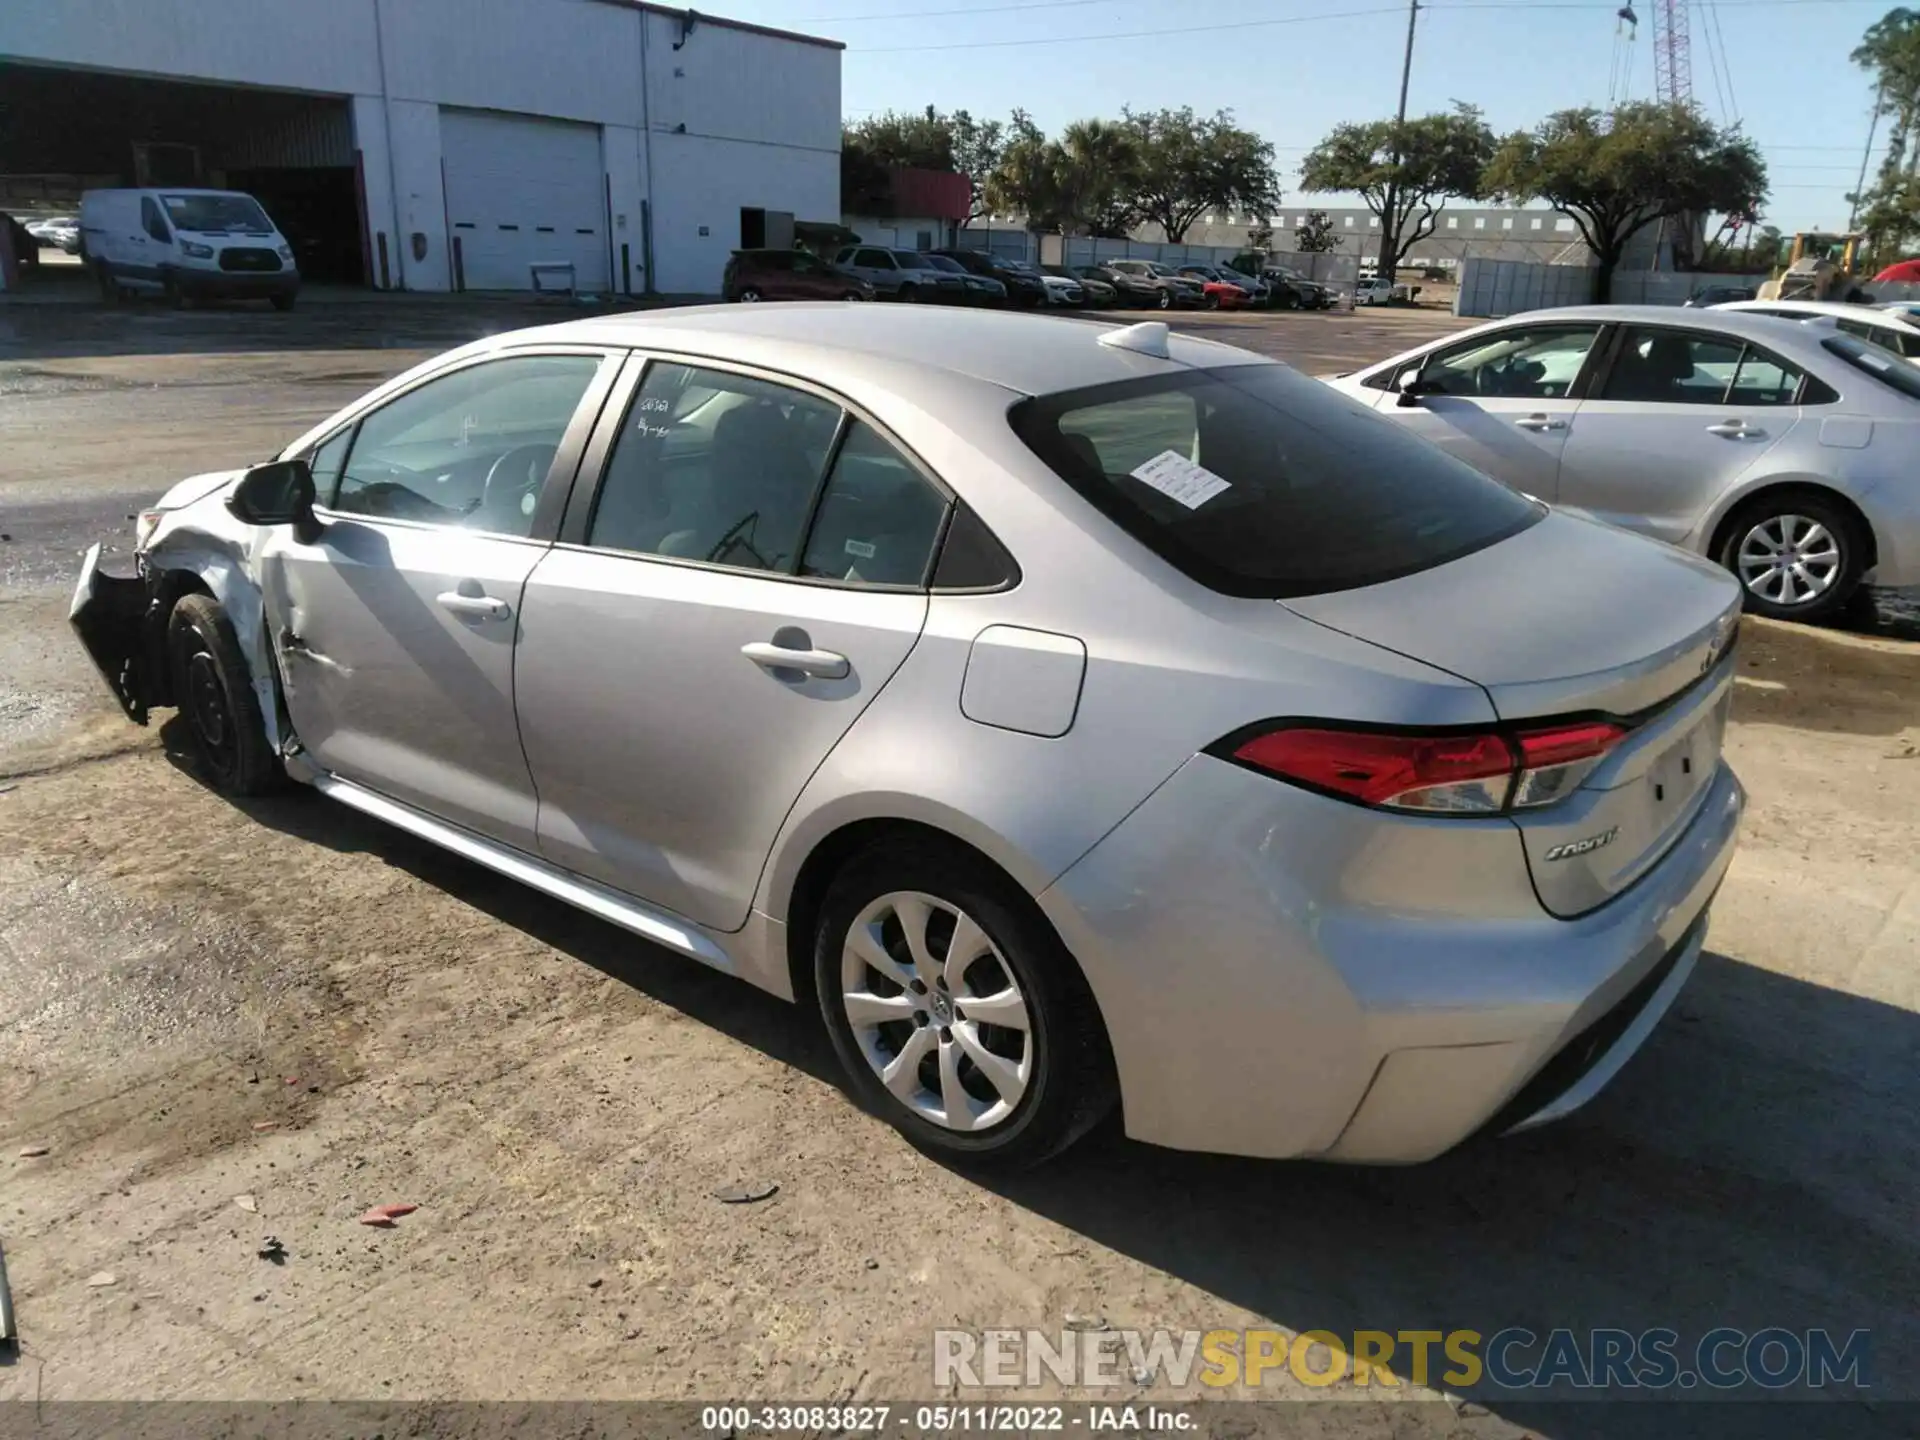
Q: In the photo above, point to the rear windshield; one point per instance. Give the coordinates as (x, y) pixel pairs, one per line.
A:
(1883, 365)
(217, 214)
(1257, 481)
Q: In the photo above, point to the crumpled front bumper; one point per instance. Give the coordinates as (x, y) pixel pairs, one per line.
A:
(109, 616)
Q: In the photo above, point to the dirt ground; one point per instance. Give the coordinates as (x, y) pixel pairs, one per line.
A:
(229, 1023)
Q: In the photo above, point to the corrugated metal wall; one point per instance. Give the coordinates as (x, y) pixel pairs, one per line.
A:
(317, 135)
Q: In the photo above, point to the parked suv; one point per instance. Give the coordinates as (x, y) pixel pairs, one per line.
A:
(789, 275)
(1290, 287)
(902, 274)
(1176, 290)
(1024, 285)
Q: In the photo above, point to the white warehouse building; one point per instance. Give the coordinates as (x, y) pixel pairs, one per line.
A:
(437, 144)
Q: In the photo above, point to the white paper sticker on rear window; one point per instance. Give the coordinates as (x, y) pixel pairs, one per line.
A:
(1178, 478)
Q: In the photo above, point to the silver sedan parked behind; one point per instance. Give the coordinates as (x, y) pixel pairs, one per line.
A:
(1784, 451)
(1069, 713)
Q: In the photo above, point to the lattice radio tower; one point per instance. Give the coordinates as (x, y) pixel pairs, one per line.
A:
(1672, 53)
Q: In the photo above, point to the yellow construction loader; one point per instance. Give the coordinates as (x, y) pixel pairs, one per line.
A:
(1820, 267)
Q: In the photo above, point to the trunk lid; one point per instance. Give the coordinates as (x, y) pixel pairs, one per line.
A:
(1575, 618)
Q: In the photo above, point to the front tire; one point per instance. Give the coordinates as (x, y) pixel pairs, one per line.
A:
(959, 1017)
(909, 294)
(749, 295)
(214, 690)
(1797, 556)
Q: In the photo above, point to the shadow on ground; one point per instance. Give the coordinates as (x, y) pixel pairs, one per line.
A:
(1752, 1168)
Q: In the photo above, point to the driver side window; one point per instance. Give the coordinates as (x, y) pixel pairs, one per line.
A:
(471, 449)
(1533, 364)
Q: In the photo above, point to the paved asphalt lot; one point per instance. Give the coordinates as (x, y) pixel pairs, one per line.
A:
(287, 1002)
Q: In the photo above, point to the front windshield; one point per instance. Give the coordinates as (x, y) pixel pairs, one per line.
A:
(217, 214)
(1155, 268)
(941, 262)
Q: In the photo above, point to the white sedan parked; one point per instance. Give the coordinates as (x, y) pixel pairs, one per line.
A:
(1897, 333)
(1782, 450)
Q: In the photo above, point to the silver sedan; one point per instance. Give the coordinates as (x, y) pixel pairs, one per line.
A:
(1068, 714)
(1784, 451)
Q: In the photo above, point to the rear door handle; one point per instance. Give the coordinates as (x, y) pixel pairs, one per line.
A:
(1541, 422)
(1737, 430)
(484, 606)
(823, 664)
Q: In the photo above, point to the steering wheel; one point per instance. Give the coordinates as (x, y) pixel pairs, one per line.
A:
(513, 484)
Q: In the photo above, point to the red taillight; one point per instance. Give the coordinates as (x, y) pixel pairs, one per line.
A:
(1480, 773)
(1413, 772)
(1554, 762)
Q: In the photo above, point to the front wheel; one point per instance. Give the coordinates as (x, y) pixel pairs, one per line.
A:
(956, 1012)
(282, 302)
(1797, 556)
(214, 690)
(909, 294)
(853, 295)
(1165, 302)
(110, 290)
(749, 295)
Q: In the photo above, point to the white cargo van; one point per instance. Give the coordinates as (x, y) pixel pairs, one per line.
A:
(185, 244)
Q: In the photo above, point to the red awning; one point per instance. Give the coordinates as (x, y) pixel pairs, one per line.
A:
(937, 194)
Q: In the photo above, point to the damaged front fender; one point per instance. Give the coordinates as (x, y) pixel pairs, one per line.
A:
(122, 622)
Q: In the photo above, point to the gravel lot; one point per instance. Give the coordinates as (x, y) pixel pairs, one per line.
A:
(287, 1002)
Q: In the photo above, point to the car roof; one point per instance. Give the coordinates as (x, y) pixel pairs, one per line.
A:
(1791, 337)
(1027, 354)
(1813, 307)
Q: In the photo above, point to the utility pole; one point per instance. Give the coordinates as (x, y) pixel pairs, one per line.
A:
(1873, 125)
(1399, 123)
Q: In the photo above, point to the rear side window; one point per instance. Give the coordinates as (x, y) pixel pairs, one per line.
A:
(1677, 367)
(1894, 373)
(1256, 481)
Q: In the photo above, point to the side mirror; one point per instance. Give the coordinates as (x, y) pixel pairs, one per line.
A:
(1407, 382)
(280, 492)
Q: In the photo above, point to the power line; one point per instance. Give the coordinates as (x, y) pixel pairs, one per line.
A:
(1441, 6)
(1126, 35)
(1019, 5)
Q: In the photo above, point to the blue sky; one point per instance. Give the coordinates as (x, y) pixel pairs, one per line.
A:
(1785, 72)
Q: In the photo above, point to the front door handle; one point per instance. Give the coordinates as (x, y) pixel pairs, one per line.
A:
(485, 607)
(823, 664)
(1541, 422)
(1737, 430)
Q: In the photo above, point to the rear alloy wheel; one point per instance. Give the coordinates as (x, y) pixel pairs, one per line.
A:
(955, 1011)
(214, 691)
(749, 295)
(1798, 557)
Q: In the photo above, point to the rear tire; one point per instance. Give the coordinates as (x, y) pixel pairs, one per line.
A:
(214, 690)
(1057, 1068)
(1827, 550)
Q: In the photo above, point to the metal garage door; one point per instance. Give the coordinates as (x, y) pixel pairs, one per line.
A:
(523, 191)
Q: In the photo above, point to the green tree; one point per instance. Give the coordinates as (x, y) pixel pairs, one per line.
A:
(1406, 172)
(1191, 164)
(1096, 165)
(1616, 174)
(1889, 209)
(922, 140)
(1315, 235)
(1027, 181)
